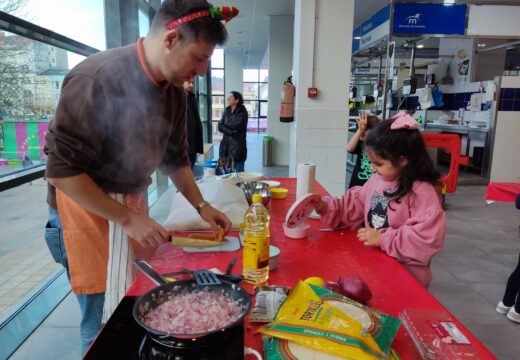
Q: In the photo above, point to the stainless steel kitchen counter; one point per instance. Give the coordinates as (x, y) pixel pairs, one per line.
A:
(459, 129)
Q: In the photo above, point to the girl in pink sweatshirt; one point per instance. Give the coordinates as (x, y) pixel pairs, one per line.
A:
(399, 205)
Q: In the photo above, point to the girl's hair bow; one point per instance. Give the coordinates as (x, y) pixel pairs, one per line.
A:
(403, 120)
(225, 13)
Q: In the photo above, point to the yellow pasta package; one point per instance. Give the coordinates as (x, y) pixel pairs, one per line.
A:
(307, 320)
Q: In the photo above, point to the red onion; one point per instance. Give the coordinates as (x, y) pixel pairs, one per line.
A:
(352, 287)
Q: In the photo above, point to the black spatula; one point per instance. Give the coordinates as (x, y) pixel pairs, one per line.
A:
(205, 277)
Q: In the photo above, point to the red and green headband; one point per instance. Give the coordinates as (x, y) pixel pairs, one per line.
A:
(224, 13)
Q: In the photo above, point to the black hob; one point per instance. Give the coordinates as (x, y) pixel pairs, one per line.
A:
(124, 338)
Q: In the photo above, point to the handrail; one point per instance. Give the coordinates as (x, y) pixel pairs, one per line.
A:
(22, 176)
(24, 28)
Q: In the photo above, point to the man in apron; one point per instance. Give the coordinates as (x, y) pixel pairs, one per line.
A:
(121, 116)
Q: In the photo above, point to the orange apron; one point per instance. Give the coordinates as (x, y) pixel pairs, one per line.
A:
(85, 235)
(86, 241)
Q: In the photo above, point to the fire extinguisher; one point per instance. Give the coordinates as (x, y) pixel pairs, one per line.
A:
(287, 101)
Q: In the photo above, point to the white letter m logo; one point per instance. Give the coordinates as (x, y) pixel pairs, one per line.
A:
(412, 20)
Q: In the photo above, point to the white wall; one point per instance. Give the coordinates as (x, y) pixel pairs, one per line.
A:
(280, 67)
(319, 133)
(234, 64)
(505, 163)
(494, 20)
(490, 63)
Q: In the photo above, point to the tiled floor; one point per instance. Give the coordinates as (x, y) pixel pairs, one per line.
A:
(482, 247)
(24, 258)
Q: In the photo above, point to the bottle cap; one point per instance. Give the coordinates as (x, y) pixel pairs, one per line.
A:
(257, 198)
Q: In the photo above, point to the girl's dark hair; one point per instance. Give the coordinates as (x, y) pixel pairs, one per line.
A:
(392, 144)
(209, 28)
(372, 121)
(238, 97)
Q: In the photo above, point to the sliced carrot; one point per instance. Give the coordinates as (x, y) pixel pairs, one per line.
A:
(218, 237)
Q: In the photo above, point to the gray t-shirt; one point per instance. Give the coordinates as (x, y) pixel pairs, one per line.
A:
(115, 125)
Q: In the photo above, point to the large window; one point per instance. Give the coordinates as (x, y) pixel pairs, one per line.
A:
(144, 22)
(30, 84)
(255, 98)
(80, 20)
(202, 91)
(218, 97)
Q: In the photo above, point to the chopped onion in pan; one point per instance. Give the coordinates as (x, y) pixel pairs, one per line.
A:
(194, 312)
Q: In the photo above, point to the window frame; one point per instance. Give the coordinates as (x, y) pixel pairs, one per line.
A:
(214, 96)
(257, 99)
(34, 32)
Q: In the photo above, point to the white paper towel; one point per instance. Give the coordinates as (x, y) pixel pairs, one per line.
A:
(305, 175)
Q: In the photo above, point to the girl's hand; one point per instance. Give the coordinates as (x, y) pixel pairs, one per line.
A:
(319, 205)
(370, 237)
(362, 122)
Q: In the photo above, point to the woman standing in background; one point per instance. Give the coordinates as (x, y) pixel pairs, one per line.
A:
(234, 127)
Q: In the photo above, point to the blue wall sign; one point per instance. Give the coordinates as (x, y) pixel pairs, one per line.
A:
(431, 19)
(368, 26)
(377, 19)
(355, 42)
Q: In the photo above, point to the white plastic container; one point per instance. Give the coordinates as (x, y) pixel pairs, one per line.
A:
(209, 171)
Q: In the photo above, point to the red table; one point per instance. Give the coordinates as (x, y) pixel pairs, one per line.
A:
(324, 254)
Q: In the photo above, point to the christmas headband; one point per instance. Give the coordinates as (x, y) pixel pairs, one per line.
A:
(225, 13)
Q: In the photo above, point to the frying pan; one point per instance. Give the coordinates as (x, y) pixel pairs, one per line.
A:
(167, 290)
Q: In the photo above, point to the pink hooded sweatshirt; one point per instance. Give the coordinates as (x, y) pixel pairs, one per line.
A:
(412, 231)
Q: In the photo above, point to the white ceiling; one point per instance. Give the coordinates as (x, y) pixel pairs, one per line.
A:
(363, 9)
(249, 31)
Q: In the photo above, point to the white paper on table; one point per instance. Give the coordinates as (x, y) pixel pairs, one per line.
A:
(223, 196)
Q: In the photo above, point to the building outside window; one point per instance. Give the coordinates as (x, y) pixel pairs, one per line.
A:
(202, 93)
(256, 83)
(218, 98)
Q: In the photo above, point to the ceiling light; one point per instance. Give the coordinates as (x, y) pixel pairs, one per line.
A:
(357, 37)
(481, 45)
(449, 2)
(419, 46)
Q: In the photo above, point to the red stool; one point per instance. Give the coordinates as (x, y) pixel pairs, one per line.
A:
(450, 143)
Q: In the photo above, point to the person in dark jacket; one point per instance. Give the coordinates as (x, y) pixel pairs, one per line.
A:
(510, 303)
(234, 127)
(194, 126)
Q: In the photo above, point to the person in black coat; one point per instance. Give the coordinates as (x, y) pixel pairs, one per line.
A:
(234, 127)
(194, 132)
(510, 303)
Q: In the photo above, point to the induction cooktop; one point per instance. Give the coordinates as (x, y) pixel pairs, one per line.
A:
(123, 338)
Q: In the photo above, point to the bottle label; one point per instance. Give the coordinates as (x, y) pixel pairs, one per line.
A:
(256, 252)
